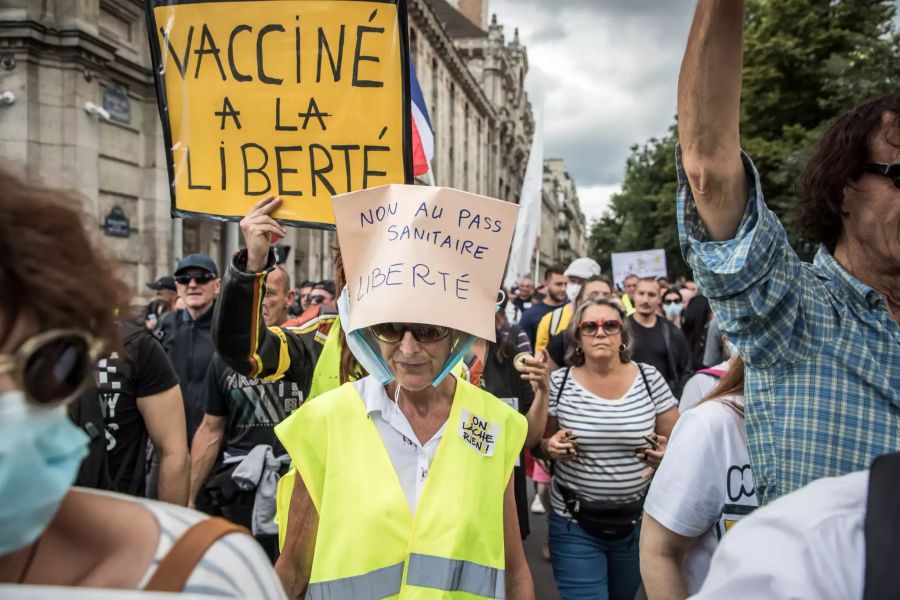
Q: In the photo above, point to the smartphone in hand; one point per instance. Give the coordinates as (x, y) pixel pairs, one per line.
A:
(651, 442)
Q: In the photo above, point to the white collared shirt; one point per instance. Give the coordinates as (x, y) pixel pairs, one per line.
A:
(411, 459)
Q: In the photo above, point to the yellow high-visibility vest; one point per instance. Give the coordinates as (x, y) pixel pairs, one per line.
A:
(327, 374)
(551, 324)
(368, 543)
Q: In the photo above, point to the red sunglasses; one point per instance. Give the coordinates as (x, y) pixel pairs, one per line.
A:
(592, 328)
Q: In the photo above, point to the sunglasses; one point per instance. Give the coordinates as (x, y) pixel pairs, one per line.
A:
(392, 333)
(891, 171)
(671, 301)
(54, 367)
(201, 278)
(592, 328)
(317, 299)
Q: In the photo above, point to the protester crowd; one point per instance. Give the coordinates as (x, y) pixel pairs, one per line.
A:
(652, 416)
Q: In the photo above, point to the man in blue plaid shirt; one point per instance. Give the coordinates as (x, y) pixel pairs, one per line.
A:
(821, 341)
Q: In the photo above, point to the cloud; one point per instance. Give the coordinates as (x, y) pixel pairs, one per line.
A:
(604, 76)
(595, 199)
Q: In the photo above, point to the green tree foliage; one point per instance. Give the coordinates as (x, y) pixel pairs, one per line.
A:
(805, 61)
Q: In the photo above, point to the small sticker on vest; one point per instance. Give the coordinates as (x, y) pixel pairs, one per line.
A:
(477, 433)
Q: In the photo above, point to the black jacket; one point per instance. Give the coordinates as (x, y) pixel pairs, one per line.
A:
(190, 347)
(246, 344)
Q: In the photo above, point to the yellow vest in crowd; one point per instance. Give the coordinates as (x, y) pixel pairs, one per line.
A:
(327, 374)
(368, 543)
(553, 323)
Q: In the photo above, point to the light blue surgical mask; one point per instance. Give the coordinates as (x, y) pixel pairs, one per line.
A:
(367, 352)
(361, 345)
(673, 310)
(40, 453)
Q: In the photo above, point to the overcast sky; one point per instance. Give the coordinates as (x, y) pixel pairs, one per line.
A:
(604, 72)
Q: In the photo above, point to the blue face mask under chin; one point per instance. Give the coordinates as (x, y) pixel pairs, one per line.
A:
(40, 453)
(365, 348)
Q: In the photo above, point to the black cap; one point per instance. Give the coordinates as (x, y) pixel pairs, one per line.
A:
(163, 283)
(198, 261)
(327, 285)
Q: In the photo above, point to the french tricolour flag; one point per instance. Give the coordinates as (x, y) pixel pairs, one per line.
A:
(422, 133)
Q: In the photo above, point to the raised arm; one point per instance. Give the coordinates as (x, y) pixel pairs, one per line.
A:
(241, 336)
(709, 105)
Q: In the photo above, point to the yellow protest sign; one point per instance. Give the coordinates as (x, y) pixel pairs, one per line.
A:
(300, 98)
(424, 255)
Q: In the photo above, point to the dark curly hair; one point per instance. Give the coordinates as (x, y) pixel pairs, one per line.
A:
(836, 162)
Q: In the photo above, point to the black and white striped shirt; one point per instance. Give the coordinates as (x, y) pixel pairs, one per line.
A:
(607, 432)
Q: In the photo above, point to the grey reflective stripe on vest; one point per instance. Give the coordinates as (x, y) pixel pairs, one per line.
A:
(455, 576)
(373, 585)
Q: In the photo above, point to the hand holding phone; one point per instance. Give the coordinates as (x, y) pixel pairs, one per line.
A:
(651, 442)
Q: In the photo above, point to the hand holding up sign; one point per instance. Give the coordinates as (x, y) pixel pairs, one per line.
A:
(258, 228)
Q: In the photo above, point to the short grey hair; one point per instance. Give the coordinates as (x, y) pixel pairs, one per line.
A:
(573, 336)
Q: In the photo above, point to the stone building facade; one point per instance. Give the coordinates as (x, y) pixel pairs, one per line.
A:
(563, 226)
(84, 118)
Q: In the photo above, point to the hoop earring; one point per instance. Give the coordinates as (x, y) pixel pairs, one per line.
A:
(622, 347)
(578, 350)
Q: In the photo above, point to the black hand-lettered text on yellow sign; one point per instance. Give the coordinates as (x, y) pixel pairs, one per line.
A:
(302, 98)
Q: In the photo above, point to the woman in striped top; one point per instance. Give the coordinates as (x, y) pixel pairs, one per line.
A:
(609, 420)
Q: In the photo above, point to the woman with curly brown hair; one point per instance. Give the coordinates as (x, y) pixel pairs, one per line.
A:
(57, 310)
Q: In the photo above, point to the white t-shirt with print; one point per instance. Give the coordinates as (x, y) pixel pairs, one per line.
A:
(704, 484)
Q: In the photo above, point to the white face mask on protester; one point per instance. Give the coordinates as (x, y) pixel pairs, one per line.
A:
(673, 310)
(572, 291)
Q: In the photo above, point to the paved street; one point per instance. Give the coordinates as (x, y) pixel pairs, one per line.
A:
(541, 571)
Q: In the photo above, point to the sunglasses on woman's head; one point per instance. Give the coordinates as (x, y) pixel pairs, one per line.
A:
(53, 367)
(392, 333)
(592, 328)
(891, 171)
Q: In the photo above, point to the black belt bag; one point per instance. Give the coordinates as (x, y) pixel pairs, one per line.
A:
(605, 522)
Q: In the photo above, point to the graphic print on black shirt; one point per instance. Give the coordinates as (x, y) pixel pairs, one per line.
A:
(144, 371)
(251, 408)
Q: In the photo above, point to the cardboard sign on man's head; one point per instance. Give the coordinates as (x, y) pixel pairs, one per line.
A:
(420, 254)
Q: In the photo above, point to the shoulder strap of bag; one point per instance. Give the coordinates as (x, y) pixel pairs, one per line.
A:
(562, 386)
(644, 379)
(882, 528)
(559, 392)
(176, 567)
(555, 317)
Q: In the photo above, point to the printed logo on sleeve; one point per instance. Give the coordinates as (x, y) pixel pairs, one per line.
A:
(479, 434)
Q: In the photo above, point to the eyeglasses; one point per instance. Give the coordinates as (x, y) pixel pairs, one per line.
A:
(53, 367)
(592, 328)
(392, 333)
(317, 299)
(671, 301)
(891, 171)
(200, 278)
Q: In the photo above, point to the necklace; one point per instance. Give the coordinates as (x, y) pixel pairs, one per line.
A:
(30, 561)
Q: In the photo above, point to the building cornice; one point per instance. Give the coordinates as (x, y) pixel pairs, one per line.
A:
(32, 41)
(421, 14)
